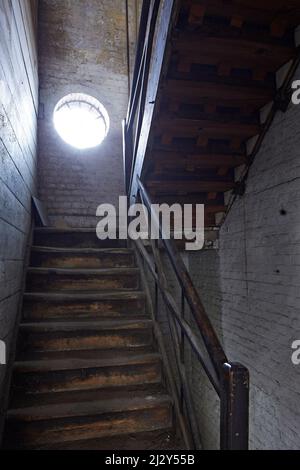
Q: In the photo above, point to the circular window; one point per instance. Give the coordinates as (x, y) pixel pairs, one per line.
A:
(81, 120)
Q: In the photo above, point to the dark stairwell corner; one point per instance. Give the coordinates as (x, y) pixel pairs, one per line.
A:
(136, 344)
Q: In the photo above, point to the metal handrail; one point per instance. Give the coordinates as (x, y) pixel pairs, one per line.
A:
(136, 107)
(230, 380)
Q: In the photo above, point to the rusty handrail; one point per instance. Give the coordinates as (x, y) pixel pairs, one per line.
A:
(230, 380)
(232, 383)
(210, 339)
(133, 122)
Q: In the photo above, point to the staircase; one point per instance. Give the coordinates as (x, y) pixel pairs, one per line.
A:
(87, 373)
(220, 70)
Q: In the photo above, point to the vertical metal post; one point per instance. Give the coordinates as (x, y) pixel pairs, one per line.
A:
(156, 286)
(182, 334)
(182, 350)
(124, 132)
(234, 426)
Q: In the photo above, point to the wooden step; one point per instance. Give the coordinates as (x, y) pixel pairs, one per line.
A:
(19, 400)
(66, 336)
(162, 439)
(84, 258)
(54, 279)
(61, 306)
(44, 376)
(87, 420)
(73, 354)
(75, 238)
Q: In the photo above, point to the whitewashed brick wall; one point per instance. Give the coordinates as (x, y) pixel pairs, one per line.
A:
(251, 290)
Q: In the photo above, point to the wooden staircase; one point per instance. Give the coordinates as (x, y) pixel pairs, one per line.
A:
(220, 71)
(87, 373)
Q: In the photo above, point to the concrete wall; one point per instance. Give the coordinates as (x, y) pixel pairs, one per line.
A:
(82, 48)
(250, 288)
(18, 142)
(204, 269)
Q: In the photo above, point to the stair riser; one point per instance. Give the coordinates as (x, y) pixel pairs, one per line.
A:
(63, 341)
(40, 310)
(75, 240)
(66, 430)
(96, 394)
(58, 282)
(87, 378)
(87, 261)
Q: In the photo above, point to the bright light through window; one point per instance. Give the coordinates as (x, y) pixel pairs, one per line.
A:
(81, 120)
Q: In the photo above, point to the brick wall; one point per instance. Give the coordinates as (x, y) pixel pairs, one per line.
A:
(82, 48)
(18, 164)
(250, 288)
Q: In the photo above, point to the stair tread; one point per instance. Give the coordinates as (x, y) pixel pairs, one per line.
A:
(85, 271)
(52, 249)
(85, 295)
(98, 325)
(65, 230)
(85, 363)
(34, 355)
(160, 439)
(87, 408)
(21, 400)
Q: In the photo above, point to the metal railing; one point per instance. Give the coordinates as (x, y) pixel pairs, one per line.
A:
(229, 380)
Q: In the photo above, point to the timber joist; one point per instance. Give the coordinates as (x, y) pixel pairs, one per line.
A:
(275, 16)
(188, 91)
(228, 54)
(220, 72)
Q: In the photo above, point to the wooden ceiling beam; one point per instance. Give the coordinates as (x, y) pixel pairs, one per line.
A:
(201, 198)
(237, 48)
(228, 54)
(188, 186)
(251, 11)
(169, 160)
(204, 129)
(189, 91)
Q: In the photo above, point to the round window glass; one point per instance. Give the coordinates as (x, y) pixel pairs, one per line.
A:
(81, 120)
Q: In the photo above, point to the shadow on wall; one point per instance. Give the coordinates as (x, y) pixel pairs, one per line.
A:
(204, 268)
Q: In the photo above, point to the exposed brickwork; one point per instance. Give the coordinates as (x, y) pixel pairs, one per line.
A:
(18, 164)
(82, 48)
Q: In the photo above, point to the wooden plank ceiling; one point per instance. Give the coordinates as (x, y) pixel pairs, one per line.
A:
(221, 71)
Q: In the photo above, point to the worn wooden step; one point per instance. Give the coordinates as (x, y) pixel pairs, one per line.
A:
(76, 238)
(34, 355)
(88, 420)
(52, 279)
(66, 336)
(160, 439)
(44, 376)
(61, 306)
(20, 400)
(93, 258)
